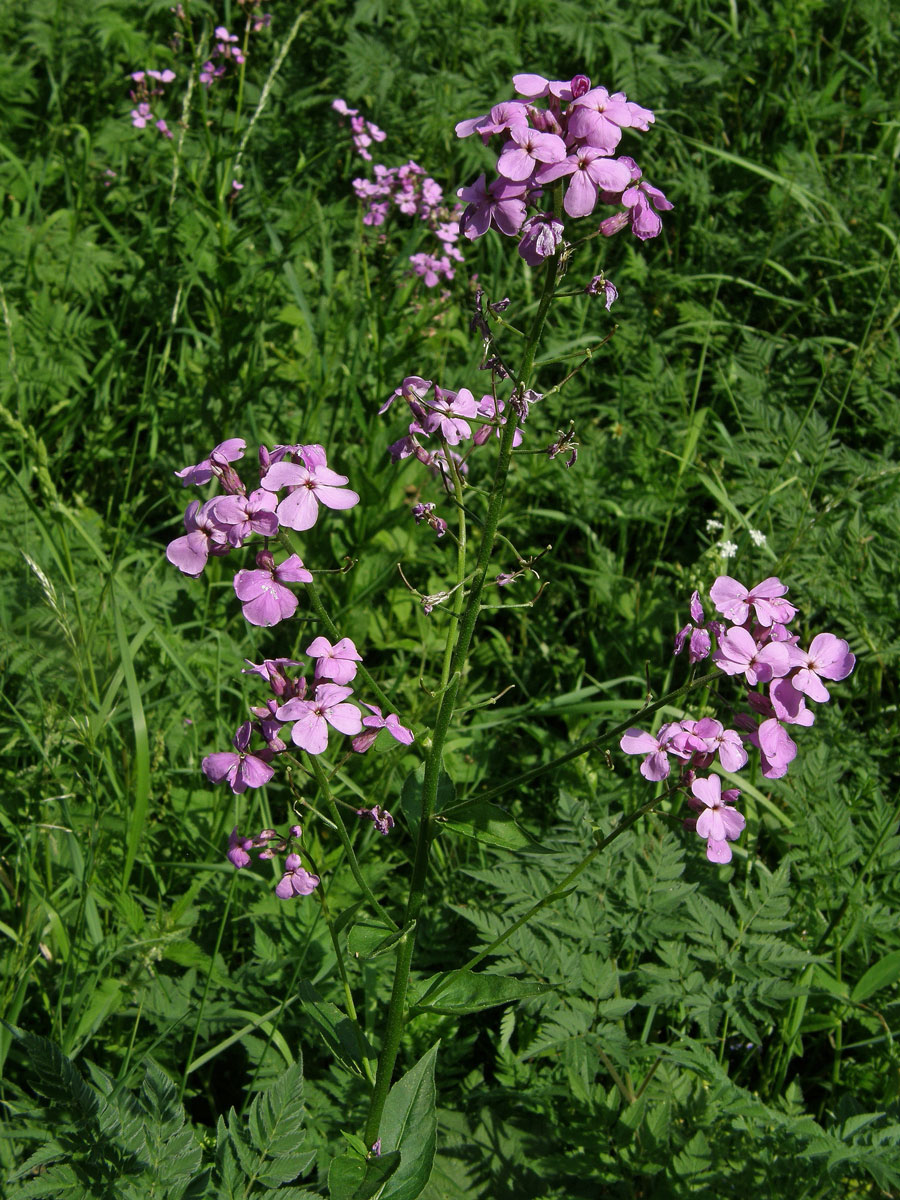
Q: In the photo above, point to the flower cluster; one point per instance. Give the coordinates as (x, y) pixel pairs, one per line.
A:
(296, 881)
(225, 51)
(753, 641)
(364, 132)
(147, 85)
(302, 713)
(574, 137)
(437, 410)
(217, 526)
(411, 191)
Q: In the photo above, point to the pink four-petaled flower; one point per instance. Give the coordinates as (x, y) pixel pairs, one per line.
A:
(719, 823)
(312, 717)
(311, 486)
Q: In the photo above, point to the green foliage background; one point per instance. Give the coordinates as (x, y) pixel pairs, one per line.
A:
(704, 1030)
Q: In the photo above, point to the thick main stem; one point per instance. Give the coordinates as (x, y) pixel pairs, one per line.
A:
(396, 1011)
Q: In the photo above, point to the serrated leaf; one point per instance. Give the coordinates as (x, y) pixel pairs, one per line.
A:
(59, 1182)
(276, 1116)
(471, 991)
(173, 1152)
(615, 1008)
(57, 1078)
(409, 1125)
(229, 1171)
(289, 1193)
(164, 1116)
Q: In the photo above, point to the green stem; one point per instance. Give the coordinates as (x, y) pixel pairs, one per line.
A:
(594, 743)
(322, 781)
(348, 994)
(466, 629)
(459, 594)
(206, 986)
(555, 894)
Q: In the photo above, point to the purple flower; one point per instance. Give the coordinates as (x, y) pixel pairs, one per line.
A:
(240, 770)
(601, 284)
(312, 717)
(777, 749)
(337, 662)
(383, 822)
(492, 409)
(500, 204)
(431, 268)
(242, 515)
(447, 412)
(828, 657)
(591, 172)
(295, 881)
(375, 724)
(740, 654)
(541, 237)
(204, 537)
(425, 512)
(787, 704)
(598, 118)
(726, 742)
(265, 599)
(226, 452)
(535, 86)
(527, 148)
(237, 849)
(272, 670)
(413, 389)
(310, 487)
(718, 823)
(734, 601)
(655, 766)
(141, 115)
(507, 115)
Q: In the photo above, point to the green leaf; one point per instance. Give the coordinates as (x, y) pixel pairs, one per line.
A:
(471, 991)
(411, 795)
(371, 938)
(352, 1178)
(59, 1182)
(105, 998)
(489, 823)
(346, 1041)
(169, 1145)
(275, 1124)
(409, 1125)
(883, 973)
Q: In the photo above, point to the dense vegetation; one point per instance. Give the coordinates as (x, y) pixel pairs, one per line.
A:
(686, 1029)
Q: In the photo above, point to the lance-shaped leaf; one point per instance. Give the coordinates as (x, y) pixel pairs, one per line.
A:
(409, 1124)
(468, 991)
